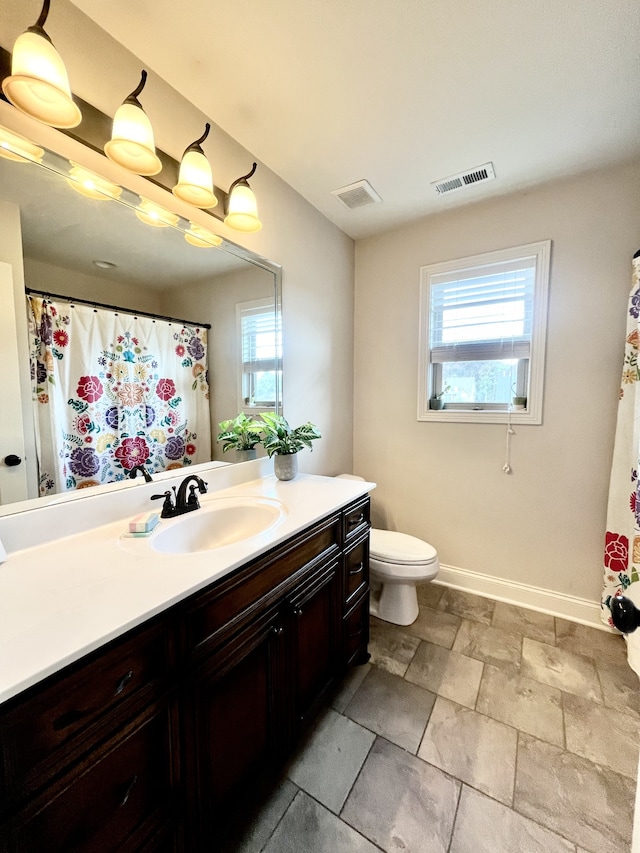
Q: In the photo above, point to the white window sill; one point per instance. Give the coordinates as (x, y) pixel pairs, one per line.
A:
(480, 416)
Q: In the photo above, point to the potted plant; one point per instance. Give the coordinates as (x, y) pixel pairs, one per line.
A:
(436, 402)
(283, 442)
(241, 433)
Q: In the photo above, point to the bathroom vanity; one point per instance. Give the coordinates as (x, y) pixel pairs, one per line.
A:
(150, 740)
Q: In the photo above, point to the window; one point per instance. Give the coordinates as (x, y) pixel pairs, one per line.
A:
(260, 371)
(482, 336)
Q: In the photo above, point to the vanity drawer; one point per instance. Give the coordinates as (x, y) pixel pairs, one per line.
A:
(356, 570)
(49, 728)
(356, 519)
(232, 601)
(355, 628)
(121, 795)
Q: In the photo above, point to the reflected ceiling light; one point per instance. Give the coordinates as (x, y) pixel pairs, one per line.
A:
(105, 265)
(19, 148)
(89, 184)
(154, 214)
(38, 84)
(195, 182)
(201, 237)
(131, 144)
(242, 208)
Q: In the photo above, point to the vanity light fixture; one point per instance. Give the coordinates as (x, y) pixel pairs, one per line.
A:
(195, 182)
(91, 185)
(132, 145)
(19, 148)
(38, 84)
(154, 214)
(201, 237)
(242, 207)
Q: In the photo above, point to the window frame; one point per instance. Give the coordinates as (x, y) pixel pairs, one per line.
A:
(253, 306)
(491, 412)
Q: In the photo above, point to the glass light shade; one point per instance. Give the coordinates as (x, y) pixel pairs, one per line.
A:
(243, 210)
(38, 85)
(87, 183)
(195, 183)
(19, 148)
(132, 145)
(154, 214)
(201, 237)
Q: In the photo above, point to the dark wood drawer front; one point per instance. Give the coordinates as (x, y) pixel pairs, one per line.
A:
(51, 725)
(125, 794)
(231, 601)
(356, 570)
(356, 520)
(356, 630)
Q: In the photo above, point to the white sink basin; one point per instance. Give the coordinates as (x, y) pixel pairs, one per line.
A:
(218, 522)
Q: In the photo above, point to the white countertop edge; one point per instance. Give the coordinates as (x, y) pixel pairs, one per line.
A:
(63, 600)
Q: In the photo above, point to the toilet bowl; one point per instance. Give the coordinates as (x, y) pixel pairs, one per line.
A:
(397, 562)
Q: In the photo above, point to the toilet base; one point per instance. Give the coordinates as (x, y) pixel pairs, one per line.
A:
(398, 603)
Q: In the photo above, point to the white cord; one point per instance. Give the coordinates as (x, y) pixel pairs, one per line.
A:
(507, 461)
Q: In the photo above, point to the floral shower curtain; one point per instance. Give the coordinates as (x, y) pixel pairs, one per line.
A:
(113, 390)
(622, 541)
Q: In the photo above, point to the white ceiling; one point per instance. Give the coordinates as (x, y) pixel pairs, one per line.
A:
(400, 92)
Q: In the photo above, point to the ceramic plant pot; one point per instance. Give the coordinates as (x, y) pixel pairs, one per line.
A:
(246, 455)
(519, 402)
(285, 465)
(436, 403)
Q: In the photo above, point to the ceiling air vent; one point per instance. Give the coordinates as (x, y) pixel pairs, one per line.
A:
(464, 179)
(357, 195)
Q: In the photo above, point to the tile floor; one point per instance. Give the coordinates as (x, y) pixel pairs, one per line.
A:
(481, 728)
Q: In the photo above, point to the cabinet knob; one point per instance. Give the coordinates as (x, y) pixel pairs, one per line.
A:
(12, 460)
(297, 611)
(277, 630)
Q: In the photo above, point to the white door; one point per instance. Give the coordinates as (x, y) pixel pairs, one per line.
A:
(13, 478)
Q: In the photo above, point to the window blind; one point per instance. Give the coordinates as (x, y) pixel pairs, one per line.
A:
(259, 339)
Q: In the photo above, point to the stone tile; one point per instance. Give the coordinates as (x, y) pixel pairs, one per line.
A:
(582, 640)
(522, 703)
(602, 735)
(446, 673)
(471, 747)
(587, 804)
(262, 819)
(491, 645)
(435, 626)
(429, 594)
(390, 647)
(562, 669)
(392, 707)
(401, 803)
(484, 826)
(307, 827)
(331, 759)
(621, 688)
(521, 620)
(468, 606)
(348, 687)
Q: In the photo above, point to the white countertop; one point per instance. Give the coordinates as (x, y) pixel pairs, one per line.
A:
(64, 599)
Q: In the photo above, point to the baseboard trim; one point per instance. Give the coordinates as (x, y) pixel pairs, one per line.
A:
(569, 607)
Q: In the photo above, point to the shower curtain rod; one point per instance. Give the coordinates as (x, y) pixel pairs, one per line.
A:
(115, 309)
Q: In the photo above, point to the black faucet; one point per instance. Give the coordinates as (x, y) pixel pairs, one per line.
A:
(176, 502)
(143, 470)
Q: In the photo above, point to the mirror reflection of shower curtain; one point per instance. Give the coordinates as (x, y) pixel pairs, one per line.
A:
(112, 390)
(622, 538)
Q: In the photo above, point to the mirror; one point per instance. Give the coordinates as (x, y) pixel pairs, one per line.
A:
(150, 269)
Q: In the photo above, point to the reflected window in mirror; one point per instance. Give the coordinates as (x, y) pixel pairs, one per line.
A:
(259, 374)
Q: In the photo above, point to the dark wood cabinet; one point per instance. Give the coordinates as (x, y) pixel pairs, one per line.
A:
(146, 744)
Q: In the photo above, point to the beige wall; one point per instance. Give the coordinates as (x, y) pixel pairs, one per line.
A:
(544, 524)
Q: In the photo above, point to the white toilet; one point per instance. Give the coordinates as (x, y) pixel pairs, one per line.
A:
(397, 562)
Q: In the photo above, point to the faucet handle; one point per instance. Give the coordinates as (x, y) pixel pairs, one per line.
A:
(192, 500)
(168, 505)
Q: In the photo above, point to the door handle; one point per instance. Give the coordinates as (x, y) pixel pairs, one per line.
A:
(12, 460)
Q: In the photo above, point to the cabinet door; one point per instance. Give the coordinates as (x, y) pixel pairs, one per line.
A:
(315, 632)
(233, 721)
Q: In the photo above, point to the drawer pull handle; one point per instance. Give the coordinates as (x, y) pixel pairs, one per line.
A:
(359, 568)
(297, 611)
(354, 522)
(123, 682)
(357, 632)
(68, 719)
(277, 630)
(127, 793)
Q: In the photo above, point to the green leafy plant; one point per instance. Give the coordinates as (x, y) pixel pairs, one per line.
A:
(441, 394)
(240, 433)
(280, 438)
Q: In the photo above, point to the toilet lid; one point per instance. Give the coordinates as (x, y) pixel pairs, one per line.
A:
(388, 546)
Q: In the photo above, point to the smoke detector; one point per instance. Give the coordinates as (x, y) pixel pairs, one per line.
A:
(357, 195)
(464, 179)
